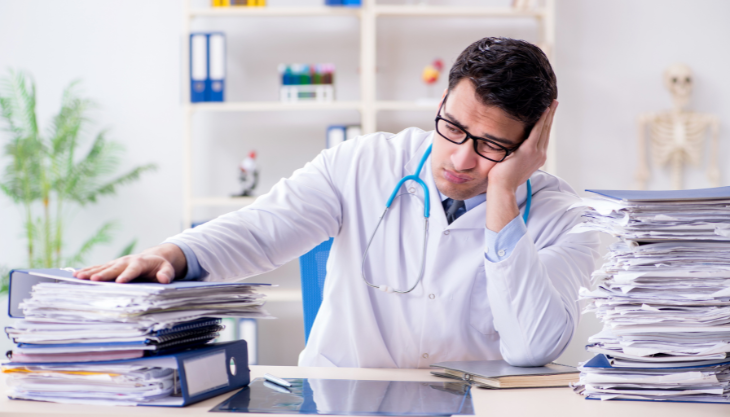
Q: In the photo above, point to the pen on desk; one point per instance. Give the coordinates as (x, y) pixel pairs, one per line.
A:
(276, 387)
(276, 380)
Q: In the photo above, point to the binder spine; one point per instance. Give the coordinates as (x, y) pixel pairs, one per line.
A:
(216, 67)
(198, 67)
(236, 368)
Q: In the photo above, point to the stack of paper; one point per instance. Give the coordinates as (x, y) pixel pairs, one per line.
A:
(108, 343)
(73, 320)
(663, 296)
(56, 342)
(91, 384)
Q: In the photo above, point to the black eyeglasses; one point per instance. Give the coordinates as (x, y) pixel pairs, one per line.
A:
(486, 148)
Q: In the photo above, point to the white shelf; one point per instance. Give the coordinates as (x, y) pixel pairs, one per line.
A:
(275, 106)
(274, 11)
(222, 201)
(367, 104)
(382, 10)
(278, 295)
(254, 106)
(441, 11)
(407, 105)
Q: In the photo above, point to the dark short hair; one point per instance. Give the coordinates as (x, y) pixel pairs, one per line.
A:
(510, 74)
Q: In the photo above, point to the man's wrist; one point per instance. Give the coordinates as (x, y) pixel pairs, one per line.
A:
(501, 207)
(172, 254)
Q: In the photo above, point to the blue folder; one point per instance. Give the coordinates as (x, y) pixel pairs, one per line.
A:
(215, 84)
(203, 373)
(719, 193)
(198, 67)
(601, 361)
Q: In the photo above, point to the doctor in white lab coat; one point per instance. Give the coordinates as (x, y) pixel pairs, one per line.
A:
(494, 287)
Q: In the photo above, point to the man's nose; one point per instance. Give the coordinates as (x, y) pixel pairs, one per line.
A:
(464, 158)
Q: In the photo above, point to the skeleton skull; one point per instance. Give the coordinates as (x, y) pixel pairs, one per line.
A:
(678, 80)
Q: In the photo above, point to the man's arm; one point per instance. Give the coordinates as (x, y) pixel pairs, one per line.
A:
(533, 293)
(533, 288)
(296, 215)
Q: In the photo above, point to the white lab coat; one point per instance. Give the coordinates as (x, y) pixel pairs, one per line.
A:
(523, 309)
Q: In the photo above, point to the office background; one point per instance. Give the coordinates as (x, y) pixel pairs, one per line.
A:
(609, 59)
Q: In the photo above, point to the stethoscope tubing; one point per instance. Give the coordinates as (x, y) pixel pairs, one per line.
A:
(426, 214)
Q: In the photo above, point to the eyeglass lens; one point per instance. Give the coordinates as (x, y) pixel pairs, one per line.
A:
(455, 134)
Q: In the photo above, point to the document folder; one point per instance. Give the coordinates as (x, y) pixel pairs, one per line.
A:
(202, 373)
(500, 374)
(198, 67)
(642, 392)
(23, 280)
(215, 83)
(718, 193)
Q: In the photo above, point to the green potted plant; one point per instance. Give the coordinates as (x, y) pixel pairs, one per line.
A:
(49, 171)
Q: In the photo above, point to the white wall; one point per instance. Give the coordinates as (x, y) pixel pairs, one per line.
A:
(609, 59)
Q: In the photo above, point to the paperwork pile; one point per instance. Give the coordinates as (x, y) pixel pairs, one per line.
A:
(663, 296)
(91, 384)
(70, 327)
(72, 320)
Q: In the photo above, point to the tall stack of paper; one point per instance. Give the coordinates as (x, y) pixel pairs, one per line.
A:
(663, 296)
(70, 321)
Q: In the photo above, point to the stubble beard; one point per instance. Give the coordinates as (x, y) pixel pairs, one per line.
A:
(463, 191)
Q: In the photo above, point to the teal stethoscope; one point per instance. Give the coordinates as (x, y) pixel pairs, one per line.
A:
(426, 214)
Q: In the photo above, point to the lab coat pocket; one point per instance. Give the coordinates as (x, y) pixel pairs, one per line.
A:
(480, 312)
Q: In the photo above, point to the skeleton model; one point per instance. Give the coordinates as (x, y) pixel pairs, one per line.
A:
(677, 136)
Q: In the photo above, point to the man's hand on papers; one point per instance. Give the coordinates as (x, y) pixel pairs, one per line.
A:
(505, 177)
(159, 264)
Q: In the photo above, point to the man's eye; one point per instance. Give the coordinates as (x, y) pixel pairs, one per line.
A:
(487, 146)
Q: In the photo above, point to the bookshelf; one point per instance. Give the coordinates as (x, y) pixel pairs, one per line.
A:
(368, 106)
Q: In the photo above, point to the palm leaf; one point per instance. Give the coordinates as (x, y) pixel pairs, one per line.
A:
(103, 235)
(128, 249)
(110, 187)
(46, 169)
(17, 107)
(18, 102)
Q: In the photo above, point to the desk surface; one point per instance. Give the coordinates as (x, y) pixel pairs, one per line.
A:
(523, 402)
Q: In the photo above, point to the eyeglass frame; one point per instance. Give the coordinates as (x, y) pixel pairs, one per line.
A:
(507, 151)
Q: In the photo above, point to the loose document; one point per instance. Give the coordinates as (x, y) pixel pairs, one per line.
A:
(663, 296)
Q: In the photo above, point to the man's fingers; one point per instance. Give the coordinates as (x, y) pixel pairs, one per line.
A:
(538, 129)
(108, 273)
(166, 273)
(547, 126)
(133, 270)
(87, 272)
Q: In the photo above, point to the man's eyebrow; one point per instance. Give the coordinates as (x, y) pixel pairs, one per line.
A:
(507, 143)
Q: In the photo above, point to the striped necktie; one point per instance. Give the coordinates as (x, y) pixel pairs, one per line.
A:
(453, 209)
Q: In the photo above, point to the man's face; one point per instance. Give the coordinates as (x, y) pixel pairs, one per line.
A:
(459, 172)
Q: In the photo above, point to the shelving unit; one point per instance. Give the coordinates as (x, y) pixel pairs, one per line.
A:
(368, 105)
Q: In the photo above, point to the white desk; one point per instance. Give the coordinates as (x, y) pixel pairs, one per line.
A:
(524, 402)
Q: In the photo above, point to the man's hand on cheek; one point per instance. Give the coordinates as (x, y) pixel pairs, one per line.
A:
(531, 155)
(506, 176)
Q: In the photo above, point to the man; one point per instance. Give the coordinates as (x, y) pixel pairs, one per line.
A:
(505, 290)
